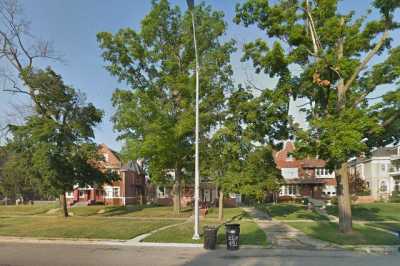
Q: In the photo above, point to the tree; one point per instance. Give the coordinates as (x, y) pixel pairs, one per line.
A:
(155, 116)
(18, 179)
(237, 159)
(55, 144)
(18, 47)
(332, 52)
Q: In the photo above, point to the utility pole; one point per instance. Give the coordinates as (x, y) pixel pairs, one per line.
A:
(196, 235)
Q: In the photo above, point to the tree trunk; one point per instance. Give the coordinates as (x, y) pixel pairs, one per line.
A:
(344, 200)
(63, 200)
(221, 205)
(177, 190)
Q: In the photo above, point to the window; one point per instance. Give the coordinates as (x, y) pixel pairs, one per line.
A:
(383, 167)
(109, 192)
(81, 193)
(69, 194)
(290, 190)
(106, 157)
(383, 187)
(116, 192)
(397, 185)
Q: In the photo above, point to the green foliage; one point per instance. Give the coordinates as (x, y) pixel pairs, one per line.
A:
(395, 198)
(331, 50)
(155, 116)
(55, 145)
(233, 160)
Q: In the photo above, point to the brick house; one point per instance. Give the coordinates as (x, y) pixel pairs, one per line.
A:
(304, 178)
(130, 189)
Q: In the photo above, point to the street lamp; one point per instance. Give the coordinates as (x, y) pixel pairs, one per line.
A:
(196, 235)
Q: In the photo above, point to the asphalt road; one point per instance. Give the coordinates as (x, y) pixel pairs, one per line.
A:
(17, 254)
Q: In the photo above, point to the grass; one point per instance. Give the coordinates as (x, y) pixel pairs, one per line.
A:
(77, 227)
(250, 234)
(361, 235)
(26, 209)
(372, 211)
(229, 213)
(395, 227)
(146, 212)
(290, 212)
(97, 210)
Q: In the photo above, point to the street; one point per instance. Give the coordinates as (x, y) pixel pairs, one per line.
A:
(18, 254)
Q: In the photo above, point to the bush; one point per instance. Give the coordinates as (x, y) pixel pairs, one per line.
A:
(364, 193)
(395, 198)
(334, 200)
(299, 200)
(285, 199)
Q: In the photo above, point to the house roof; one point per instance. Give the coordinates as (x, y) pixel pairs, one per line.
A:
(133, 166)
(283, 159)
(313, 163)
(383, 152)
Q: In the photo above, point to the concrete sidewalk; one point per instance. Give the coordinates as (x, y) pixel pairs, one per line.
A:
(282, 235)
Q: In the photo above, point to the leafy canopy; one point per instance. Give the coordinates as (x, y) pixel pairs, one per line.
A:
(55, 145)
(155, 114)
(332, 52)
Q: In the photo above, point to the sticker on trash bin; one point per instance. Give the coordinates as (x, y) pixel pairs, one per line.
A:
(233, 240)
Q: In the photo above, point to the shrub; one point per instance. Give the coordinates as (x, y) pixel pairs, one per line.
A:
(285, 199)
(395, 198)
(334, 200)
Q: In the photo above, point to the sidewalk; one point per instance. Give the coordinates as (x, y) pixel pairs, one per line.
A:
(282, 235)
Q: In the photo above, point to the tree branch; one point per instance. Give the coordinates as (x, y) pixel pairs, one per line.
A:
(369, 56)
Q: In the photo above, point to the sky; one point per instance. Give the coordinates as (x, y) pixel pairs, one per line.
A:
(72, 25)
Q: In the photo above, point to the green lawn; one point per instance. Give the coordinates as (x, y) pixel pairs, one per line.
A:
(372, 211)
(229, 213)
(146, 211)
(77, 227)
(290, 212)
(362, 235)
(99, 210)
(26, 209)
(395, 227)
(250, 234)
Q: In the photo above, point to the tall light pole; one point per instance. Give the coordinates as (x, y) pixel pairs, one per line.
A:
(196, 235)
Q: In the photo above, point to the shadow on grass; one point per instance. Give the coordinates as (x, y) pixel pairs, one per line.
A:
(361, 235)
(126, 210)
(291, 211)
(360, 213)
(122, 210)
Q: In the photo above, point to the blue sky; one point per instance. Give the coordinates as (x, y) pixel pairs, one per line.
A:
(72, 26)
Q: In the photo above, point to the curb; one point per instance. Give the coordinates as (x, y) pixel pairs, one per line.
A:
(380, 250)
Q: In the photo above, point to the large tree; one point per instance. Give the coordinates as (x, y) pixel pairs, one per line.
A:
(332, 53)
(55, 144)
(238, 157)
(155, 115)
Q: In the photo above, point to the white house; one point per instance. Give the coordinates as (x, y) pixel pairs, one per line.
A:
(380, 171)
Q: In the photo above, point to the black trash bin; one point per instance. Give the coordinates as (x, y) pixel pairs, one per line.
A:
(210, 237)
(232, 236)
